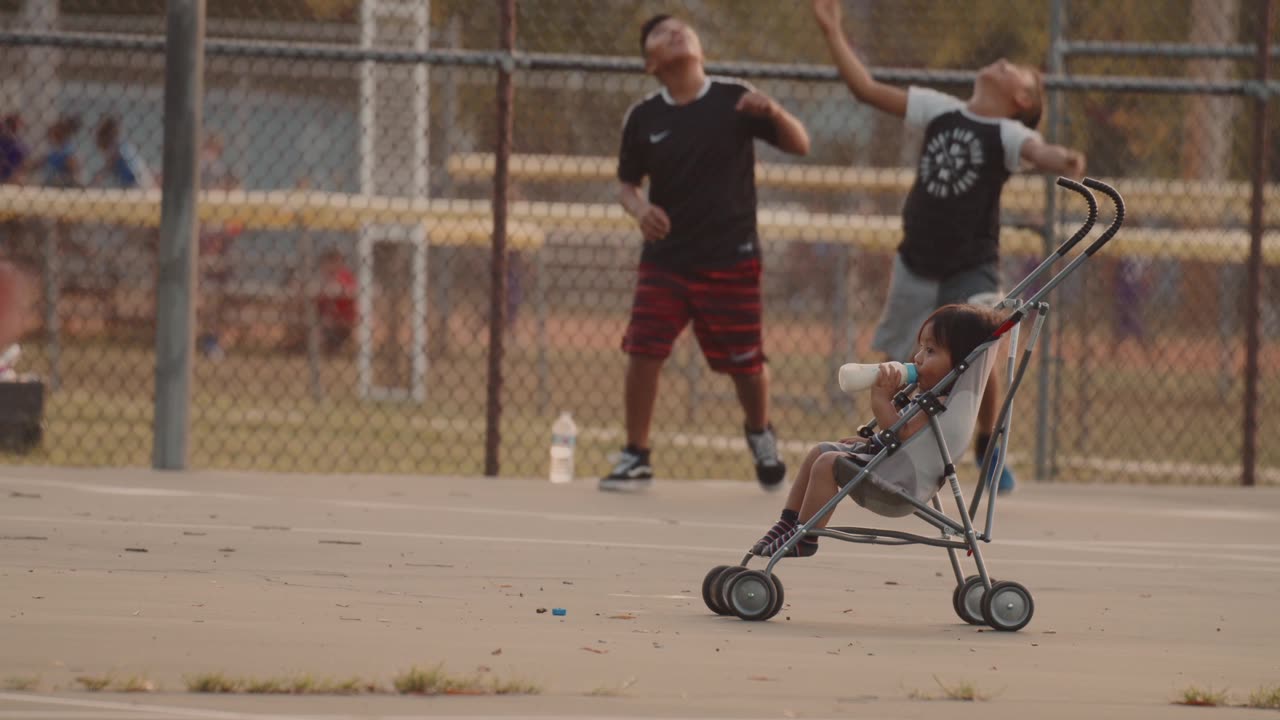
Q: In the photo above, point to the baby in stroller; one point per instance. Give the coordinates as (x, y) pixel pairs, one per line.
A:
(901, 469)
(944, 340)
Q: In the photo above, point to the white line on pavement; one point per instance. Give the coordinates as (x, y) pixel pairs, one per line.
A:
(729, 553)
(118, 710)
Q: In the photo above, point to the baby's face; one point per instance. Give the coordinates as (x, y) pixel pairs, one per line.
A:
(932, 360)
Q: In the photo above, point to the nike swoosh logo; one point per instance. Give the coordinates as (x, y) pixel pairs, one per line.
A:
(743, 357)
(659, 137)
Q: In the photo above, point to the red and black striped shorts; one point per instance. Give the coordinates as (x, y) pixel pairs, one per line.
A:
(723, 303)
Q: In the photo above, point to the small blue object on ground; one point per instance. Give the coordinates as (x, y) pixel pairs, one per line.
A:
(557, 611)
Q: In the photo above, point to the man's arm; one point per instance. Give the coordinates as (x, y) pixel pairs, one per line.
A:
(1050, 158)
(791, 135)
(888, 98)
(653, 221)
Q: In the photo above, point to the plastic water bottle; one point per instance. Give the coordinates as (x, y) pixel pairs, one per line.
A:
(854, 377)
(564, 436)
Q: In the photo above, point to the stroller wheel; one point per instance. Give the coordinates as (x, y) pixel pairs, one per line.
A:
(966, 599)
(709, 597)
(1007, 606)
(778, 597)
(720, 588)
(751, 595)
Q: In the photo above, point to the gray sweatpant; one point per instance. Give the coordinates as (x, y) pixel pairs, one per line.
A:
(912, 298)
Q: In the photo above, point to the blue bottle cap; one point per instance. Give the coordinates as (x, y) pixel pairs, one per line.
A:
(912, 374)
(558, 611)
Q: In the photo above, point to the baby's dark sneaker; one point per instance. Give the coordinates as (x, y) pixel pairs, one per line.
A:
(778, 530)
(805, 548)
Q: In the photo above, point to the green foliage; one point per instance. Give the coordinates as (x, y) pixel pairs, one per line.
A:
(1199, 696)
(214, 682)
(94, 683)
(1265, 698)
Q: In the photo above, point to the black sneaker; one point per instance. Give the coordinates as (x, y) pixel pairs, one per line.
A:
(632, 472)
(770, 470)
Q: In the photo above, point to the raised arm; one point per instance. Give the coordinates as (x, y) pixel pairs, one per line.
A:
(1050, 158)
(791, 135)
(888, 98)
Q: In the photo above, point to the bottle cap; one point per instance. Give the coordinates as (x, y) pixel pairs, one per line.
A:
(558, 611)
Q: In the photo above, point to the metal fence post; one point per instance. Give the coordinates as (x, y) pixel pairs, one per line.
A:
(498, 261)
(175, 286)
(1057, 16)
(1253, 299)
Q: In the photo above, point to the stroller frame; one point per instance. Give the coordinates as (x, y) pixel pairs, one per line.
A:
(1004, 605)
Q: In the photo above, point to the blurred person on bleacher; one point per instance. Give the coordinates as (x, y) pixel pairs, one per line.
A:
(950, 250)
(331, 290)
(214, 256)
(695, 142)
(14, 153)
(136, 249)
(336, 301)
(15, 156)
(59, 166)
(122, 167)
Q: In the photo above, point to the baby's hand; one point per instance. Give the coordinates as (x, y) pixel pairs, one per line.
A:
(889, 377)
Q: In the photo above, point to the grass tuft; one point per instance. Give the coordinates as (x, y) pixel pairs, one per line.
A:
(299, 685)
(214, 682)
(302, 685)
(21, 683)
(94, 683)
(134, 684)
(1265, 698)
(350, 686)
(963, 691)
(1206, 697)
(416, 681)
(515, 687)
(267, 686)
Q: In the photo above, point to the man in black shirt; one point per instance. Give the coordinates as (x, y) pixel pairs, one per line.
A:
(701, 257)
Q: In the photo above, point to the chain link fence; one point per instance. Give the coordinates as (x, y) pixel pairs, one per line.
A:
(347, 169)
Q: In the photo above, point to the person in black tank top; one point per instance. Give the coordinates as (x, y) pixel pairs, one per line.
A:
(694, 142)
(951, 219)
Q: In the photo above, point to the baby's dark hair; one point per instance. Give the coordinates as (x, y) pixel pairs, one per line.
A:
(648, 27)
(961, 328)
(1030, 115)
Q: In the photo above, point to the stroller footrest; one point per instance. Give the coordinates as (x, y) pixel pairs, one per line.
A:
(886, 537)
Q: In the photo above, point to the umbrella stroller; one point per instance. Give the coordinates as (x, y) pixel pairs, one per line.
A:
(897, 478)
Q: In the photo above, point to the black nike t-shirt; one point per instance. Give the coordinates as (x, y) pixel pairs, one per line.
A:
(700, 161)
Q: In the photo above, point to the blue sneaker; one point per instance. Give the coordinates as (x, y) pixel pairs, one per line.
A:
(1005, 486)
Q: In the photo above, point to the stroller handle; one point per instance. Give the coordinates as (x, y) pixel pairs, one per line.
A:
(1116, 222)
(1072, 185)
